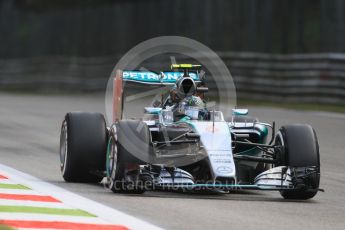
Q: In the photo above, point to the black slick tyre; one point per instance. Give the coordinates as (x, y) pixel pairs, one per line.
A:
(83, 142)
(300, 150)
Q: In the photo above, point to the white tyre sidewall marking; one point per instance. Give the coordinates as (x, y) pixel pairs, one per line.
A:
(64, 129)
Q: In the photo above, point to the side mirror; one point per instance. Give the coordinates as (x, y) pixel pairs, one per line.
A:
(240, 112)
(153, 110)
(202, 89)
(202, 75)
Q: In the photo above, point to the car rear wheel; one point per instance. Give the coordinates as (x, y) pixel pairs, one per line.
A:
(300, 151)
(82, 146)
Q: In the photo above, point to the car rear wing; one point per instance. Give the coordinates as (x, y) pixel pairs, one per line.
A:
(152, 78)
(164, 78)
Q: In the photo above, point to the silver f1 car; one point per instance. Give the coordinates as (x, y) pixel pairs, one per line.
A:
(179, 142)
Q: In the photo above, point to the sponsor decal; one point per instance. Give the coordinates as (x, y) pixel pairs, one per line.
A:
(151, 77)
(224, 170)
(221, 158)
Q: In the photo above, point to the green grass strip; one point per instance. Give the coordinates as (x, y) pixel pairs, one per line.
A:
(5, 227)
(13, 186)
(43, 210)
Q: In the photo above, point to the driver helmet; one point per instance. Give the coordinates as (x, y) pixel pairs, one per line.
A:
(192, 106)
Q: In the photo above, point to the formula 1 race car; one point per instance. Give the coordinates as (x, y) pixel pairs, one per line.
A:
(179, 142)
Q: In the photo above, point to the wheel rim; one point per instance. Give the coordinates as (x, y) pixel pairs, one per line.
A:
(63, 147)
(112, 160)
(280, 141)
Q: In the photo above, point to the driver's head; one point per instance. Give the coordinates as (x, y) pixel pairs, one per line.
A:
(194, 101)
(191, 107)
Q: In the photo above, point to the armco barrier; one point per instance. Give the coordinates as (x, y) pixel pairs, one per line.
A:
(314, 78)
